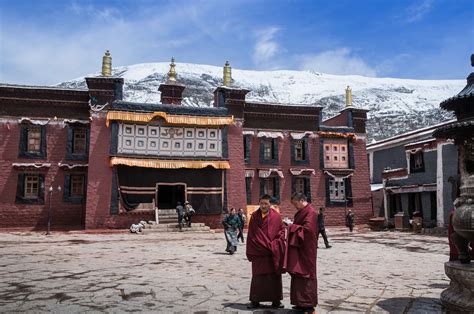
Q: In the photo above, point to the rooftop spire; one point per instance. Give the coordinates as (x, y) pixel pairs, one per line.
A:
(348, 96)
(107, 64)
(172, 71)
(227, 74)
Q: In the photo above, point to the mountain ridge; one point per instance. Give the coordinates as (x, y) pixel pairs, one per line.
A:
(395, 105)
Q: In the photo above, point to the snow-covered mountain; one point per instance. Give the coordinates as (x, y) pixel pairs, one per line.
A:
(396, 105)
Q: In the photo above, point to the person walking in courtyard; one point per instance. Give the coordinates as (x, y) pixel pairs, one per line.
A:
(350, 220)
(242, 220)
(180, 212)
(301, 255)
(322, 229)
(231, 225)
(265, 250)
(188, 213)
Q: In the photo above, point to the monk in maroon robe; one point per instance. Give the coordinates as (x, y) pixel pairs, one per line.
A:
(301, 255)
(265, 249)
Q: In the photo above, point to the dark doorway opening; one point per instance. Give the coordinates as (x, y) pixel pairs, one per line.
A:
(168, 195)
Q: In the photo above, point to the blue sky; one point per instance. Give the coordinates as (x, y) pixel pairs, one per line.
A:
(46, 41)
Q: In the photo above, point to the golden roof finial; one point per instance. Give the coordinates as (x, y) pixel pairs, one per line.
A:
(227, 74)
(348, 96)
(172, 71)
(107, 64)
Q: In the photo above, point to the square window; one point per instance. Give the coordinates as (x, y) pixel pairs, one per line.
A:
(201, 145)
(128, 142)
(336, 189)
(212, 133)
(128, 130)
(189, 133)
(153, 144)
(201, 134)
(166, 144)
(31, 187)
(177, 145)
(188, 145)
(141, 131)
(335, 156)
(213, 146)
(153, 132)
(140, 144)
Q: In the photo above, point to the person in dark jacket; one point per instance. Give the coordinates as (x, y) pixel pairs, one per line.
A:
(180, 212)
(350, 220)
(322, 230)
(231, 225)
(241, 216)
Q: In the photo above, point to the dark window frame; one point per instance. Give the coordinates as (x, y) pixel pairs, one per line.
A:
(347, 192)
(67, 194)
(247, 146)
(248, 189)
(23, 149)
(413, 157)
(307, 186)
(276, 186)
(70, 154)
(305, 159)
(20, 191)
(274, 143)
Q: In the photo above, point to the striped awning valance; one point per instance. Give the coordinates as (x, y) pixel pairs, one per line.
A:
(169, 118)
(168, 164)
(336, 135)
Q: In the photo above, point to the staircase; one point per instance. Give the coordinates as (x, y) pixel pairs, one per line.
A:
(167, 216)
(168, 222)
(173, 227)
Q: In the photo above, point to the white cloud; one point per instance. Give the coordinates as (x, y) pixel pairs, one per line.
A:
(265, 47)
(416, 12)
(35, 53)
(340, 61)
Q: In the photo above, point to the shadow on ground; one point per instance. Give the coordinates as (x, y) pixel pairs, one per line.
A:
(261, 310)
(404, 305)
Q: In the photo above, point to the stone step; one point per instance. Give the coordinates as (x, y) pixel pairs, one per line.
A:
(204, 229)
(168, 217)
(173, 225)
(167, 212)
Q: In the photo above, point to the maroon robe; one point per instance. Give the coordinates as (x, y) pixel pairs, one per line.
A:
(301, 257)
(265, 249)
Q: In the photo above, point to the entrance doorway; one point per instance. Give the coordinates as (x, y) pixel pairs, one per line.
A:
(169, 194)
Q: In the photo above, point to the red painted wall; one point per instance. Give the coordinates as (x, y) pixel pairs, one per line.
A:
(362, 206)
(99, 186)
(34, 216)
(235, 176)
(339, 120)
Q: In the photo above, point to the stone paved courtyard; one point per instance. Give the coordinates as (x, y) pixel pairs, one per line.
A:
(183, 272)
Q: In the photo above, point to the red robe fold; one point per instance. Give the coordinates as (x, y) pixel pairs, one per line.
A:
(265, 249)
(301, 257)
